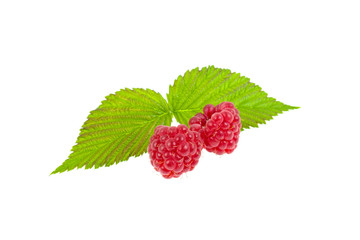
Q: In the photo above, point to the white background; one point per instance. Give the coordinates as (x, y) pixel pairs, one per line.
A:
(297, 177)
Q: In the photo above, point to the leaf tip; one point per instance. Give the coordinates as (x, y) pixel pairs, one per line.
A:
(293, 107)
(59, 169)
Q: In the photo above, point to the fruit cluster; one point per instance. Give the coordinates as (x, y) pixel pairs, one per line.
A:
(176, 150)
(218, 126)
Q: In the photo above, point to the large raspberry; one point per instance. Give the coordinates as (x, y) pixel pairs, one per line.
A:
(218, 126)
(174, 150)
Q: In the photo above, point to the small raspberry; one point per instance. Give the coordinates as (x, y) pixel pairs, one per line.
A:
(174, 150)
(219, 127)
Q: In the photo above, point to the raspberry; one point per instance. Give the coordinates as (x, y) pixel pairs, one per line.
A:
(219, 127)
(174, 150)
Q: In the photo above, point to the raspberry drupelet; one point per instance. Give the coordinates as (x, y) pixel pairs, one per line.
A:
(219, 127)
(174, 150)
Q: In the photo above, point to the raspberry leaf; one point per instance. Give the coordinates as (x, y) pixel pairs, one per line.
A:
(191, 92)
(118, 129)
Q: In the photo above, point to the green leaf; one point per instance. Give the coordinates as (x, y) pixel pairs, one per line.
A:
(191, 92)
(118, 129)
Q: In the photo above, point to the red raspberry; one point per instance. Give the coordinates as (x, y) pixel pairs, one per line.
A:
(174, 150)
(218, 126)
